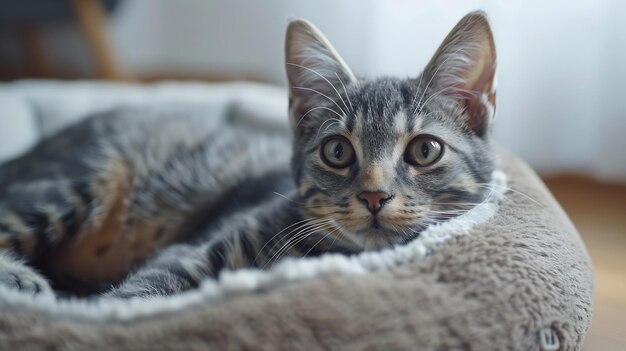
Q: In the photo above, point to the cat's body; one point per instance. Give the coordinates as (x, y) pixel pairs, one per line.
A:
(107, 192)
(373, 162)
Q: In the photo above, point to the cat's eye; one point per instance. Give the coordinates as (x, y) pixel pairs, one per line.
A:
(337, 152)
(423, 150)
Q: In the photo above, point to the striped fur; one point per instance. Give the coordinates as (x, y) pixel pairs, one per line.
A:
(155, 205)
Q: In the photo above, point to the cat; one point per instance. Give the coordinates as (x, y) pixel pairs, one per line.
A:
(127, 206)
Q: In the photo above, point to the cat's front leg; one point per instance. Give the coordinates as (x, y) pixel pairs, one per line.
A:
(238, 243)
(174, 270)
(182, 267)
(15, 274)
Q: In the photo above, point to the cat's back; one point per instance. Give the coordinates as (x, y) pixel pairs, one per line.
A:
(149, 140)
(131, 181)
(173, 163)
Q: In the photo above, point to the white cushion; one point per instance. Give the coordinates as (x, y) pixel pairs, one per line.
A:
(34, 109)
(18, 128)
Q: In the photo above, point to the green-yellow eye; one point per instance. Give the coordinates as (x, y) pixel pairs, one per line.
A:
(337, 152)
(423, 150)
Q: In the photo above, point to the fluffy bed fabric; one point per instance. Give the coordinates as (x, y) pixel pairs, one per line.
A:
(523, 272)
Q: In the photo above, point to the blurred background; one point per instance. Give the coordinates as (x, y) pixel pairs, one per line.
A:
(561, 100)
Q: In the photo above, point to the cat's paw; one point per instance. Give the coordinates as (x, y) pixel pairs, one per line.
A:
(129, 292)
(16, 275)
(28, 282)
(146, 285)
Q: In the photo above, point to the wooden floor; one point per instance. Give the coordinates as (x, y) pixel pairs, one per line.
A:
(599, 212)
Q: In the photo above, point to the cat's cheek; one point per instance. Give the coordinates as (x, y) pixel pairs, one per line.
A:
(305, 186)
(402, 213)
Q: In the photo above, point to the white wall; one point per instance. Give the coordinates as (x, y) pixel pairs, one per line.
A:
(236, 36)
(561, 100)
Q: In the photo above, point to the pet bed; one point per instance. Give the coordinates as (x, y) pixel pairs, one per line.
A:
(510, 274)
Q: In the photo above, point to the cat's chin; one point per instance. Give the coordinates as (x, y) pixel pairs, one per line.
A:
(376, 234)
(377, 238)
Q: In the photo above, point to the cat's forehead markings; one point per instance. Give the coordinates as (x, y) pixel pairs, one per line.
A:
(418, 125)
(400, 122)
(358, 124)
(356, 136)
(399, 147)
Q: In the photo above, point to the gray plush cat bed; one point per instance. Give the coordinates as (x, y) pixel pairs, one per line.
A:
(514, 276)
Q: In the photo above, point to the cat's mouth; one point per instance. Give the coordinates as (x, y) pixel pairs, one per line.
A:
(370, 231)
(376, 223)
(378, 232)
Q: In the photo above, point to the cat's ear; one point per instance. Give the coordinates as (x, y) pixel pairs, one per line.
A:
(464, 67)
(315, 70)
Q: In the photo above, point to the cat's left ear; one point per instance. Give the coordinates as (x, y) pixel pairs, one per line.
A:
(464, 67)
(315, 70)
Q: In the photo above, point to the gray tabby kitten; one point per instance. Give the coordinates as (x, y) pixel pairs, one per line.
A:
(155, 206)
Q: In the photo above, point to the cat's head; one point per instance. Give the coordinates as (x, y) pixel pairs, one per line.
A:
(376, 161)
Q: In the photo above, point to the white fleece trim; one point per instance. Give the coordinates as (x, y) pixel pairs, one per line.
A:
(247, 281)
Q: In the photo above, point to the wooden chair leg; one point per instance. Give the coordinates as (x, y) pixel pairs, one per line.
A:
(92, 19)
(38, 60)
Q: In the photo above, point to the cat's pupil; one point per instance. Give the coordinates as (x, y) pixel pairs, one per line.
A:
(425, 150)
(338, 151)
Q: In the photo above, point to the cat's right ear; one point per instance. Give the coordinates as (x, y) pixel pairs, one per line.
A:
(464, 67)
(315, 71)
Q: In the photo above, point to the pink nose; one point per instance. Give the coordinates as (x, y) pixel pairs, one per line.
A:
(374, 200)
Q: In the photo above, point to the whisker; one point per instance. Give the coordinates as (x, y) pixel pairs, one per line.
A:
(319, 241)
(334, 240)
(302, 229)
(324, 95)
(456, 203)
(336, 121)
(452, 213)
(419, 84)
(287, 198)
(321, 76)
(299, 223)
(508, 188)
(345, 91)
(317, 108)
(298, 238)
